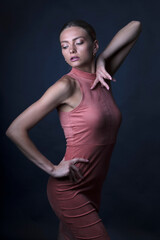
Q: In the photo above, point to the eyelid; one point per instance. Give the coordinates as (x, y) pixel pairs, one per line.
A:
(77, 41)
(80, 39)
(65, 46)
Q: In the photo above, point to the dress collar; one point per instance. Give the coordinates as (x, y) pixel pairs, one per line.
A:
(83, 74)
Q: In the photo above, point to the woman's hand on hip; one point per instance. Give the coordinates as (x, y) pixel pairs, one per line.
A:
(67, 168)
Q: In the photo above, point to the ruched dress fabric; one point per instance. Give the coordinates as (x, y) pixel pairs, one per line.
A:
(90, 130)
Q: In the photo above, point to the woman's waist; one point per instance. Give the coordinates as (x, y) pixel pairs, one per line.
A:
(74, 145)
(88, 151)
(90, 140)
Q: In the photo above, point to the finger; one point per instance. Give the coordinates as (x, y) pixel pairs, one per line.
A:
(107, 75)
(82, 160)
(104, 84)
(74, 160)
(74, 177)
(71, 177)
(77, 171)
(103, 73)
(94, 84)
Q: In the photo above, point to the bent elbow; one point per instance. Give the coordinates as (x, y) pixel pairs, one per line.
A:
(137, 24)
(13, 132)
(10, 132)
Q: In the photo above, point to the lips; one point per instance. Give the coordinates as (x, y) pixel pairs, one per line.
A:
(75, 58)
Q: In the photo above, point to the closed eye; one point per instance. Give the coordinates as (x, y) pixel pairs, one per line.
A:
(64, 47)
(79, 43)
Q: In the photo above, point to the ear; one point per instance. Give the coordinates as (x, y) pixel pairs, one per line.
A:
(95, 47)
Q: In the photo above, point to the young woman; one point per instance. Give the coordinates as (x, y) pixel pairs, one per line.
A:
(90, 119)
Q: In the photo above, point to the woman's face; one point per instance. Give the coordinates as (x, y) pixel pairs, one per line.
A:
(77, 48)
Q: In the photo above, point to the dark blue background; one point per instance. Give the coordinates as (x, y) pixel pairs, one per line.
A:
(31, 62)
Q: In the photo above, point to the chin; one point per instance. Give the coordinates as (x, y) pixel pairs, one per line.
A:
(75, 64)
(79, 65)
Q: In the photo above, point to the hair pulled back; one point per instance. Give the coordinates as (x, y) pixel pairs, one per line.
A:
(83, 24)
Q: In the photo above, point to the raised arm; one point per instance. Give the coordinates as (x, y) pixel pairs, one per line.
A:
(108, 62)
(119, 47)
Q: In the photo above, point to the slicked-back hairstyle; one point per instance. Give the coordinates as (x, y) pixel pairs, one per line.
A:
(80, 23)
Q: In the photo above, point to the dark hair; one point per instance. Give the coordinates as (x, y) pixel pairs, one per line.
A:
(80, 23)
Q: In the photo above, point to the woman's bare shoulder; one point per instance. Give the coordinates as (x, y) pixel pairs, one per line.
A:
(55, 95)
(66, 82)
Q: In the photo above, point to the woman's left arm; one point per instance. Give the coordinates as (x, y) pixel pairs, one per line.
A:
(119, 47)
(117, 50)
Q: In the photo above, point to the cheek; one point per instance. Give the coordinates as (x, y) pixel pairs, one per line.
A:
(88, 50)
(64, 54)
(88, 53)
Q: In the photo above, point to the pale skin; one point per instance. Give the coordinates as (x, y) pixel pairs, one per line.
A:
(65, 93)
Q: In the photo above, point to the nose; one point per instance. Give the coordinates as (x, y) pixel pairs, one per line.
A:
(72, 49)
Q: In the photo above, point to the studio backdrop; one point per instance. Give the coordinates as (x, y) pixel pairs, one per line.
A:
(31, 63)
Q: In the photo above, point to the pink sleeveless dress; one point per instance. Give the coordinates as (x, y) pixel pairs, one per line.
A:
(90, 130)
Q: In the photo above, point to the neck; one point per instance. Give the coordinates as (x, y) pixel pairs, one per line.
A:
(91, 68)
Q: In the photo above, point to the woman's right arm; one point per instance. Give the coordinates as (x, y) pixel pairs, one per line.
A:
(18, 130)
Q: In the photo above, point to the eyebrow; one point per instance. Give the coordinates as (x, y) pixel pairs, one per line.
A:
(74, 38)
